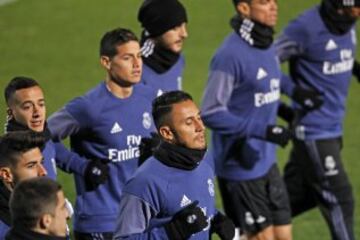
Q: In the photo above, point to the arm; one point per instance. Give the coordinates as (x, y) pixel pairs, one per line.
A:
(134, 219)
(287, 48)
(62, 124)
(216, 114)
(69, 161)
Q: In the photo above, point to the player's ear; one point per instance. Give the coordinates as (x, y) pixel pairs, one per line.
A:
(166, 133)
(244, 9)
(105, 62)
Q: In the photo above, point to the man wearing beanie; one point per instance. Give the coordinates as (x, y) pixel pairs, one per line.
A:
(320, 47)
(164, 32)
(240, 107)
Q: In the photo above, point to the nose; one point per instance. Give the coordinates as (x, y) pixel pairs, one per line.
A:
(137, 62)
(183, 31)
(199, 125)
(42, 171)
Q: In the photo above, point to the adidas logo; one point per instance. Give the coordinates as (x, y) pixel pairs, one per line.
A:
(261, 74)
(159, 93)
(331, 45)
(116, 128)
(185, 201)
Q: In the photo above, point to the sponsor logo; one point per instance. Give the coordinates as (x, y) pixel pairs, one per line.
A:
(331, 45)
(116, 128)
(345, 65)
(268, 97)
(261, 74)
(132, 150)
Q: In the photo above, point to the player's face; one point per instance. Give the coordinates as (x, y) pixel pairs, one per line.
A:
(126, 66)
(186, 125)
(59, 217)
(27, 107)
(263, 11)
(30, 165)
(173, 39)
(353, 12)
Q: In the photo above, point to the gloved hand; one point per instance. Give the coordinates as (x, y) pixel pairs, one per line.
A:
(96, 173)
(223, 226)
(286, 113)
(186, 222)
(278, 134)
(356, 70)
(147, 146)
(308, 99)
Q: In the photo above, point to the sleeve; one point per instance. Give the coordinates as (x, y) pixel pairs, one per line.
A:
(72, 118)
(62, 125)
(69, 161)
(287, 85)
(216, 114)
(291, 42)
(134, 220)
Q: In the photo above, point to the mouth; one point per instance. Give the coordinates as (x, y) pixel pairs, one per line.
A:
(136, 73)
(36, 123)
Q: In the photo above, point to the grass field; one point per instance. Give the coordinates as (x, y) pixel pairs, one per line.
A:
(56, 42)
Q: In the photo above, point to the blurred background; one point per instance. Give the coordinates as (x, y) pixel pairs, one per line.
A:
(57, 43)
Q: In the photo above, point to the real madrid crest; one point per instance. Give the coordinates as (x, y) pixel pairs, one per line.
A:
(211, 187)
(146, 120)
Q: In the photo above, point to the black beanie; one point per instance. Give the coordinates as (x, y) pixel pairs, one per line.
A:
(159, 16)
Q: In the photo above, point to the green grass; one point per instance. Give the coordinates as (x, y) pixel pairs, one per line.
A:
(56, 42)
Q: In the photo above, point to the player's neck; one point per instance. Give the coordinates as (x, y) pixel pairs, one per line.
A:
(118, 90)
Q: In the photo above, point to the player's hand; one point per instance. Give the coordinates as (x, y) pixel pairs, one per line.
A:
(96, 173)
(308, 99)
(278, 134)
(286, 113)
(223, 226)
(186, 222)
(147, 146)
(356, 70)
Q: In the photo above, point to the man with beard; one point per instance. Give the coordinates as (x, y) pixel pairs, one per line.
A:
(171, 196)
(320, 47)
(164, 23)
(107, 122)
(20, 159)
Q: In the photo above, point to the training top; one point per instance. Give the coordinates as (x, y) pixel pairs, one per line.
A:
(323, 61)
(240, 100)
(163, 82)
(157, 192)
(103, 126)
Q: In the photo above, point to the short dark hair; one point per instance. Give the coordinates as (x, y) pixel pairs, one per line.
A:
(31, 199)
(18, 83)
(13, 144)
(115, 38)
(162, 105)
(236, 2)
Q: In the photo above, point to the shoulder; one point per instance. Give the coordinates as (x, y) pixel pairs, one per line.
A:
(144, 92)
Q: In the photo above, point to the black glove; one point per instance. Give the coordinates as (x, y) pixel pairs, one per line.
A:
(96, 173)
(147, 146)
(186, 222)
(223, 226)
(286, 113)
(308, 99)
(356, 70)
(278, 134)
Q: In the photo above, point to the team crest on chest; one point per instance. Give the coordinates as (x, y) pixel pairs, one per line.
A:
(146, 120)
(211, 187)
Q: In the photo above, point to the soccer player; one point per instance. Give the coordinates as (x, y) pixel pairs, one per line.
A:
(171, 196)
(320, 47)
(164, 23)
(240, 107)
(38, 210)
(107, 122)
(20, 159)
(27, 111)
